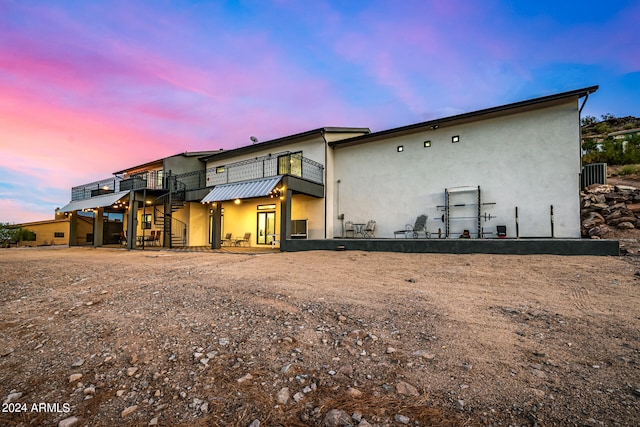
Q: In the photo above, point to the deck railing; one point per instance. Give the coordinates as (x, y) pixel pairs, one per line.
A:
(266, 166)
(96, 188)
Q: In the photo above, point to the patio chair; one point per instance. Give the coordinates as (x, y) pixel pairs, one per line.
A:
(349, 228)
(370, 229)
(245, 239)
(227, 239)
(123, 238)
(414, 231)
(156, 241)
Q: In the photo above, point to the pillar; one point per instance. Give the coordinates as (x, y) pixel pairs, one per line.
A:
(216, 233)
(98, 227)
(132, 221)
(285, 216)
(73, 228)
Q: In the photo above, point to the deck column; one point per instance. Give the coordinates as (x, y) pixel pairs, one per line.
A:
(285, 216)
(98, 227)
(73, 228)
(216, 235)
(132, 221)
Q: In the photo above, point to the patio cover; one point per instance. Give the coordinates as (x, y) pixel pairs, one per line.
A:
(242, 190)
(95, 202)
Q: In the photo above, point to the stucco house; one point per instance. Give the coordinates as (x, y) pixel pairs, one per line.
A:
(513, 168)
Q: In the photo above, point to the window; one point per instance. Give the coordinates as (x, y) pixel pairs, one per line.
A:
(290, 164)
(266, 207)
(220, 169)
(58, 234)
(146, 221)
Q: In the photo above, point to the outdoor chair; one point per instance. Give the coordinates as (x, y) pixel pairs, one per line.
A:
(370, 229)
(123, 238)
(414, 231)
(151, 239)
(245, 239)
(227, 239)
(349, 228)
(156, 241)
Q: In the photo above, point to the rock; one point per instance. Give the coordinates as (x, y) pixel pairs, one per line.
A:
(402, 419)
(131, 371)
(68, 422)
(298, 397)
(626, 225)
(424, 354)
(77, 363)
(336, 418)
(346, 370)
(11, 397)
(390, 350)
(592, 219)
(599, 231)
(128, 411)
(204, 408)
(89, 390)
(406, 389)
(354, 392)
(255, 423)
(74, 377)
(6, 351)
(120, 393)
(460, 405)
(283, 396)
(341, 318)
(154, 421)
(247, 377)
(363, 423)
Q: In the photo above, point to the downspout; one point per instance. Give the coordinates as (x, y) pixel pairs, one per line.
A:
(325, 182)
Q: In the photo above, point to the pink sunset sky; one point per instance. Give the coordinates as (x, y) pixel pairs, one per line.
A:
(89, 88)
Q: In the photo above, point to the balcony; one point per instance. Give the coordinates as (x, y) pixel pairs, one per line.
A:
(97, 188)
(150, 180)
(285, 163)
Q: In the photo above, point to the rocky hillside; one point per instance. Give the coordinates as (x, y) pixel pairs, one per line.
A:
(593, 128)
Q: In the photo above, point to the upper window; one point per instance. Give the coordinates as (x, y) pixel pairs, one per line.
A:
(290, 164)
(220, 169)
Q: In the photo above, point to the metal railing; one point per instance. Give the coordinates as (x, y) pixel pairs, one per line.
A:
(104, 186)
(285, 163)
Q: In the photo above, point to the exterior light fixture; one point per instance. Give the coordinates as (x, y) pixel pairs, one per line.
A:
(433, 127)
(455, 138)
(400, 148)
(427, 144)
(237, 201)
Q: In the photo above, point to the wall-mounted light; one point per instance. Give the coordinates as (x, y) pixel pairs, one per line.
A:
(400, 148)
(427, 144)
(276, 192)
(455, 138)
(434, 127)
(237, 201)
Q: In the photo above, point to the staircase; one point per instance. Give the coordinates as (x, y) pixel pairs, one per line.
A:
(171, 201)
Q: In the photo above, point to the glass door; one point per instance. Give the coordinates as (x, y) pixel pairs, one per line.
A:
(266, 226)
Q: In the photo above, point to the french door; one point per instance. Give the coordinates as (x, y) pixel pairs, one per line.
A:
(266, 226)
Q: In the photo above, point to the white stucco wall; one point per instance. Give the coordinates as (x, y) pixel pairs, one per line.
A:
(528, 160)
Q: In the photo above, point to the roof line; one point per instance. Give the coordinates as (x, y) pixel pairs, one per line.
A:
(434, 124)
(284, 139)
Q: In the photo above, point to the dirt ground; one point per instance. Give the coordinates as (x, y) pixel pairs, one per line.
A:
(113, 337)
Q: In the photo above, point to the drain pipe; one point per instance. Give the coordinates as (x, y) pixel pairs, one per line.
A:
(552, 233)
(325, 182)
(517, 225)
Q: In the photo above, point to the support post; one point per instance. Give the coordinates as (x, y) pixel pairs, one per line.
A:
(73, 228)
(285, 215)
(132, 221)
(216, 233)
(98, 228)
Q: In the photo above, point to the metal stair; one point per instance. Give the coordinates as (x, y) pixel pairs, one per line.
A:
(171, 201)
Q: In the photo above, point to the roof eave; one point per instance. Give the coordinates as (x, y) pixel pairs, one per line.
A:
(465, 117)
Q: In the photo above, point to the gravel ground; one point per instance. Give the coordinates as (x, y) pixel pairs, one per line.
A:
(113, 337)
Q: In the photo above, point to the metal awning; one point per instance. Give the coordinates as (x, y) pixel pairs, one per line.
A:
(242, 190)
(95, 202)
